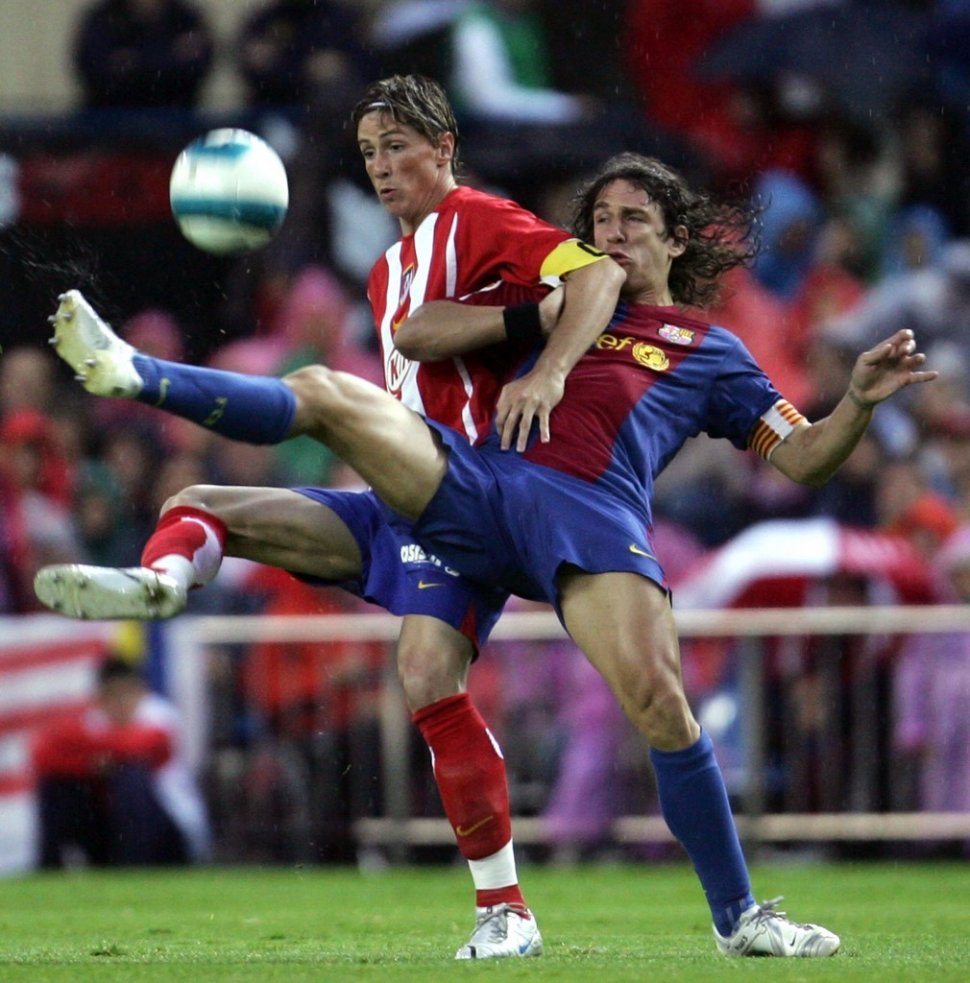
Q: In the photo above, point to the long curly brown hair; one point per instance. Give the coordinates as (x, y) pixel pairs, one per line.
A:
(720, 234)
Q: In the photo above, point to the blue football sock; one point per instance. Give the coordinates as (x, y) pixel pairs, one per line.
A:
(695, 805)
(254, 409)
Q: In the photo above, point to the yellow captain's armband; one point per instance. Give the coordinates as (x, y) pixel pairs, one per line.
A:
(573, 254)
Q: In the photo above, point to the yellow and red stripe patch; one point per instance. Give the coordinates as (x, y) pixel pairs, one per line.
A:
(773, 427)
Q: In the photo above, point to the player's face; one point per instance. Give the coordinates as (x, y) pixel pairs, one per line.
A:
(409, 173)
(629, 226)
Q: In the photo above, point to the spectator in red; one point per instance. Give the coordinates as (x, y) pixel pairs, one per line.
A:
(113, 784)
(738, 129)
(912, 510)
(36, 485)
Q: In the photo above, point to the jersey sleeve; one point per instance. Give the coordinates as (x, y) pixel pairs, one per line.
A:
(502, 294)
(746, 408)
(511, 242)
(142, 743)
(64, 749)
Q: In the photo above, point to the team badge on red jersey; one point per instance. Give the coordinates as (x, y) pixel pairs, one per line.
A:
(404, 299)
(679, 336)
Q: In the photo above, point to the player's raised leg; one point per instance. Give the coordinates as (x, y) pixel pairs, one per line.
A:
(392, 448)
(255, 409)
(102, 361)
(196, 529)
(387, 444)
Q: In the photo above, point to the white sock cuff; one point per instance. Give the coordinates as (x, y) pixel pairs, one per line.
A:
(203, 566)
(495, 871)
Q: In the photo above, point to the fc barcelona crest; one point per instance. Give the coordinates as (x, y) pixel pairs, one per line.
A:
(679, 336)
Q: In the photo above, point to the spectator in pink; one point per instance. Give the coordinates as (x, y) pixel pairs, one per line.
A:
(932, 695)
(315, 325)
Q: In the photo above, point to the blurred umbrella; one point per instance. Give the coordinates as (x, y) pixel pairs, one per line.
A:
(787, 554)
(864, 56)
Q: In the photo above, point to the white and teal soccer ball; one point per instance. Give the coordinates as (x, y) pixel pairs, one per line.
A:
(229, 192)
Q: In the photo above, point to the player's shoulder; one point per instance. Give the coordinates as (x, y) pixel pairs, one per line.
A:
(725, 337)
(467, 199)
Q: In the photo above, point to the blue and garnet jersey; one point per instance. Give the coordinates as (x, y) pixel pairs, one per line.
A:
(654, 378)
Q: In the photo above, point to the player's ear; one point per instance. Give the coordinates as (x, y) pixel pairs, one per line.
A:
(678, 240)
(445, 148)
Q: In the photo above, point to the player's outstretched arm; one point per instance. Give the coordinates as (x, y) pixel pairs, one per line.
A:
(812, 454)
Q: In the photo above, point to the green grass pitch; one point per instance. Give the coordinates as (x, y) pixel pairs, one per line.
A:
(899, 922)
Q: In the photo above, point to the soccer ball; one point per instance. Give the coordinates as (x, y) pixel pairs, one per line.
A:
(229, 192)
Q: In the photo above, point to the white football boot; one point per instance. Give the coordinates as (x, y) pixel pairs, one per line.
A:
(101, 360)
(503, 930)
(762, 931)
(109, 593)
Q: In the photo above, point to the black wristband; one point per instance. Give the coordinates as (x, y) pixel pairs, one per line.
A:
(522, 323)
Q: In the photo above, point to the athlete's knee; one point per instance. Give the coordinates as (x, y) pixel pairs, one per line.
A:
(320, 396)
(194, 497)
(429, 674)
(657, 705)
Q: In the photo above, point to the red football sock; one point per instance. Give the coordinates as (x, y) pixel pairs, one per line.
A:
(470, 773)
(191, 533)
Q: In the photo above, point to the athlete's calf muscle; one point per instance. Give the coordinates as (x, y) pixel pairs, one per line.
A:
(278, 527)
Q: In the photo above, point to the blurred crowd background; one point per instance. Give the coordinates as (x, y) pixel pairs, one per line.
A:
(848, 121)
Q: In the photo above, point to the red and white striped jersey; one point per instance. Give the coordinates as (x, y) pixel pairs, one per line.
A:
(471, 241)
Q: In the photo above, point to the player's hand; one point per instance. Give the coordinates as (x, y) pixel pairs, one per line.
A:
(886, 368)
(525, 401)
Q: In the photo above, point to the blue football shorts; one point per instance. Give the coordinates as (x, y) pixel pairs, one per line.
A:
(400, 576)
(513, 524)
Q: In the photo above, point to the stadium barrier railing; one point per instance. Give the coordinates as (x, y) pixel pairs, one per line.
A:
(843, 814)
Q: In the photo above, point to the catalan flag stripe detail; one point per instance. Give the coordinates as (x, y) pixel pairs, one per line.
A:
(774, 426)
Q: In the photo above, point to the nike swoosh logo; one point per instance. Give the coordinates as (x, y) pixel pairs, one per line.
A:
(639, 552)
(425, 584)
(163, 386)
(216, 415)
(463, 831)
